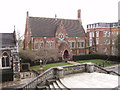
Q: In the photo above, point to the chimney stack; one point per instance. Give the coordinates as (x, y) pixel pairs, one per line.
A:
(79, 15)
(27, 14)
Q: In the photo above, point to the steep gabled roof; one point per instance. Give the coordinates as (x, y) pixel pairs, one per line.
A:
(7, 39)
(46, 27)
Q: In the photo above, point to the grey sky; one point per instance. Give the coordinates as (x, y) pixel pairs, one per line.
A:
(13, 12)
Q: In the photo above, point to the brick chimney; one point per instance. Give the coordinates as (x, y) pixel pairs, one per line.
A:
(27, 14)
(79, 15)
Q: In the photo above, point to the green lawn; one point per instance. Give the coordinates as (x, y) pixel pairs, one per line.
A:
(96, 61)
(47, 66)
(100, 62)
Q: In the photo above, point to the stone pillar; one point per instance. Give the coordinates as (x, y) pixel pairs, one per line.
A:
(89, 67)
(59, 73)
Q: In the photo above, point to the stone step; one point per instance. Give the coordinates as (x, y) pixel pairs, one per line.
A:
(61, 85)
(55, 85)
(52, 87)
(42, 87)
(51, 81)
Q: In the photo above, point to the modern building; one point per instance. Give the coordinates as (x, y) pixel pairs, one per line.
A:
(9, 60)
(67, 35)
(102, 37)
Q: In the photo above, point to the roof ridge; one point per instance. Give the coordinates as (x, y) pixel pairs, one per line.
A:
(6, 33)
(53, 18)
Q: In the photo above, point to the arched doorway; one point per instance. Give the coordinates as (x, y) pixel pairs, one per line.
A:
(66, 54)
(5, 60)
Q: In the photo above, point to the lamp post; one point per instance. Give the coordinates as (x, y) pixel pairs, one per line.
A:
(40, 63)
(41, 68)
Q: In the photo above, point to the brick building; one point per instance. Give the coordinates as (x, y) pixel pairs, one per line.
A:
(102, 37)
(43, 32)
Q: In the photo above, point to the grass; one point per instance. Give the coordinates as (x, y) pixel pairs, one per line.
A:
(47, 66)
(100, 62)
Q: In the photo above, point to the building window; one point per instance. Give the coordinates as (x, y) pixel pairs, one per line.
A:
(113, 41)
(90, 42)
(41, 45)
(37, 45)
(82, 44)
(5, 60)
(104, 34)
(108, 34)
(73, 44)
(91, 34)
(52, 44)
(69, 43)
(78, 44)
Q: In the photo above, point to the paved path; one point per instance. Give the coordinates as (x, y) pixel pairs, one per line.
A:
(72, 62)
(90, 80)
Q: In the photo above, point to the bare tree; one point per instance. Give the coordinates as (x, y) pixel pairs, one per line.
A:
(43, 54)
(118, 45)
(46, 55)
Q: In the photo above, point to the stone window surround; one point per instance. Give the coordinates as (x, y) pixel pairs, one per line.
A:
(5, 61)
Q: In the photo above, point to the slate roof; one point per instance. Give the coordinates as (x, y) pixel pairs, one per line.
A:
(7, 39)
(46, 27)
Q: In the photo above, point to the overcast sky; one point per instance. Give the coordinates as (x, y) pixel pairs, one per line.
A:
(13, 12)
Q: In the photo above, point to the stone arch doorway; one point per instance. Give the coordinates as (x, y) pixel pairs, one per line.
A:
(66, 54)
(5, 60)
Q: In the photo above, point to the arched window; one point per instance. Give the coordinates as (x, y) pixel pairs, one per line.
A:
(5, 60)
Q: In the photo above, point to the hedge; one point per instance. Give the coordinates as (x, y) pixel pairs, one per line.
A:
(95, 56)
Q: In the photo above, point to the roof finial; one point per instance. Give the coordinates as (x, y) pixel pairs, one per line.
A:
(55, 16)
(14, 28)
